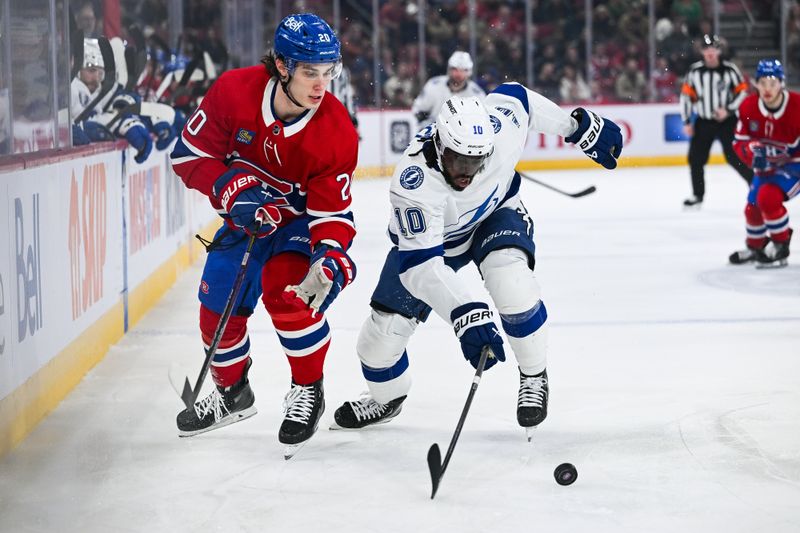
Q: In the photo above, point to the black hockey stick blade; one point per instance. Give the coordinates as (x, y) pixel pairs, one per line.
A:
(435, 467)
(188, 395)
(585, 192)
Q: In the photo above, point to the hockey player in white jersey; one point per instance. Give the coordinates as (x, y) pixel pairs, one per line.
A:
(455, 199)
(438, 89)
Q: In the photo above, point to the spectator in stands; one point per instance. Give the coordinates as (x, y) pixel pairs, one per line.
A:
(399, 90)
(665, 82)
(574, 89)
(691, 12)
(630, 85)
(548, 83)
(86, 19)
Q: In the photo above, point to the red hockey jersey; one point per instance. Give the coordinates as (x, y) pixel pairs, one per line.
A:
(778, 131)
(307, 163)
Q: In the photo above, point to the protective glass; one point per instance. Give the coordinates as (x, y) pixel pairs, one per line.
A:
(458, 165)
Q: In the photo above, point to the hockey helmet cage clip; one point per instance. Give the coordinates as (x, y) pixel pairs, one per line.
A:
(464, 136)
(307, 38)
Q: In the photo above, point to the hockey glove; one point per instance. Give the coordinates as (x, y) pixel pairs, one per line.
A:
(759, 157)
(139, 138)
(331, 271)
(164, 135)
(96, 132)
(598, 137)
(475, 329)
(79, 137)
(246, 200)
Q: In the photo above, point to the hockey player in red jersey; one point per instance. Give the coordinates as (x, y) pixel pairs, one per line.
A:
(768, 140)
(268, 145)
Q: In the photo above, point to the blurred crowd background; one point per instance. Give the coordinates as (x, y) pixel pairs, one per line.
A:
(572, 51)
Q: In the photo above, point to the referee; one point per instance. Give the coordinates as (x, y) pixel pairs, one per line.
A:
(713, 89)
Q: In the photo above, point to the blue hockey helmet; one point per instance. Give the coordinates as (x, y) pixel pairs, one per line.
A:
(306, 38)
(770, 68)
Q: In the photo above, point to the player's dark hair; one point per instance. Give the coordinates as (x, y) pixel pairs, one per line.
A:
(268, 60)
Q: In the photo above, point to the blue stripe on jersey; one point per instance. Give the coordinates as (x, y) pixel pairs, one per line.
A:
(382, 375)
(348, 216)
(222, 356)
(514, 189)
(523, 324)
(449, 245)
(411, 258)
(181, 150)
(306, 341)
(514, 90)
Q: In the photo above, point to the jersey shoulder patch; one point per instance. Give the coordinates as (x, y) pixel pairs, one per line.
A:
(412, 177)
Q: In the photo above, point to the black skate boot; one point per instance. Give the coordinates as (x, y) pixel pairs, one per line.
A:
(693, 202)
(532, 401)
(222, 407)
(775, 254)
(742, 257)
(302, 409)
(366, 412)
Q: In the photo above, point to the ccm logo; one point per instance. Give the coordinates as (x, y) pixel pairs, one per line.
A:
(591, 135)
(476, 317)
(236, 186)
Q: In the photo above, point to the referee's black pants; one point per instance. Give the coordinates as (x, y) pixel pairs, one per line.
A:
(705, 131)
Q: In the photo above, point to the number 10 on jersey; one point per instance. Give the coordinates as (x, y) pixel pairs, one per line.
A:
(411, 221)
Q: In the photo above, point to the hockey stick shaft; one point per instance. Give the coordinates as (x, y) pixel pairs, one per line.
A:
(437, 469)
(189, 395)
(579, 194)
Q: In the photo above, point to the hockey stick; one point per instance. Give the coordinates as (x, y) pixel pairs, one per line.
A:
(435, 464)
(188, 395)
(584, 192)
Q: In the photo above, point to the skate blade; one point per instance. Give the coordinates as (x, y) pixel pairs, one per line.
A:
(227, 421)
(290, 450)
(780, 263)
(529, 432)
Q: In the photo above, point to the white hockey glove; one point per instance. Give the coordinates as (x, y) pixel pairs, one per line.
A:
(331, 271)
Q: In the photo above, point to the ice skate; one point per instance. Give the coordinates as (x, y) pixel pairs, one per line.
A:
(775, 254)
(742, 257)
(302, 407)
(693, 203)
(223, 407)
(366, 412)
(532, 401)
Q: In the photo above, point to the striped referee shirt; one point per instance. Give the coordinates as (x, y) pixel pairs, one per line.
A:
(706, 89)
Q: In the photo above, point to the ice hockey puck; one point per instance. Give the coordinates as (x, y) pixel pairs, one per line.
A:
(565, 474)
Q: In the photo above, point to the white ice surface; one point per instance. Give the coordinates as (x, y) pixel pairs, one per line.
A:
(675, 390)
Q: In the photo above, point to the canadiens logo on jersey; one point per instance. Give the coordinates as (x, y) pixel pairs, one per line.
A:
(412, 177)
(244, 136)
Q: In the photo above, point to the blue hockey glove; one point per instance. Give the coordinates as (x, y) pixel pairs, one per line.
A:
(246, 200)
(475, 329)
(79, 137)
(164, 135)
(96, 132)
(139, 138)
(331, 271)
(759, 157)
(598, 137)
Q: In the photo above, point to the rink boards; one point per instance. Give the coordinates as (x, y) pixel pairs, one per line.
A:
(89, 244)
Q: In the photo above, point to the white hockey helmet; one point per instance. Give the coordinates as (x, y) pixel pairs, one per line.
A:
(464, 137)
(92, 57)
(460, 60)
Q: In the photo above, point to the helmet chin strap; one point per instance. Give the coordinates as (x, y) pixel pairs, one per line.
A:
(285, 86)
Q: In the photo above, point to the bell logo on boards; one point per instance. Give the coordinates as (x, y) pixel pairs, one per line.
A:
(29, 268)
(87, 237)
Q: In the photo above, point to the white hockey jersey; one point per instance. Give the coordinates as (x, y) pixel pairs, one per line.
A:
(431, 220)
(436, 92)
